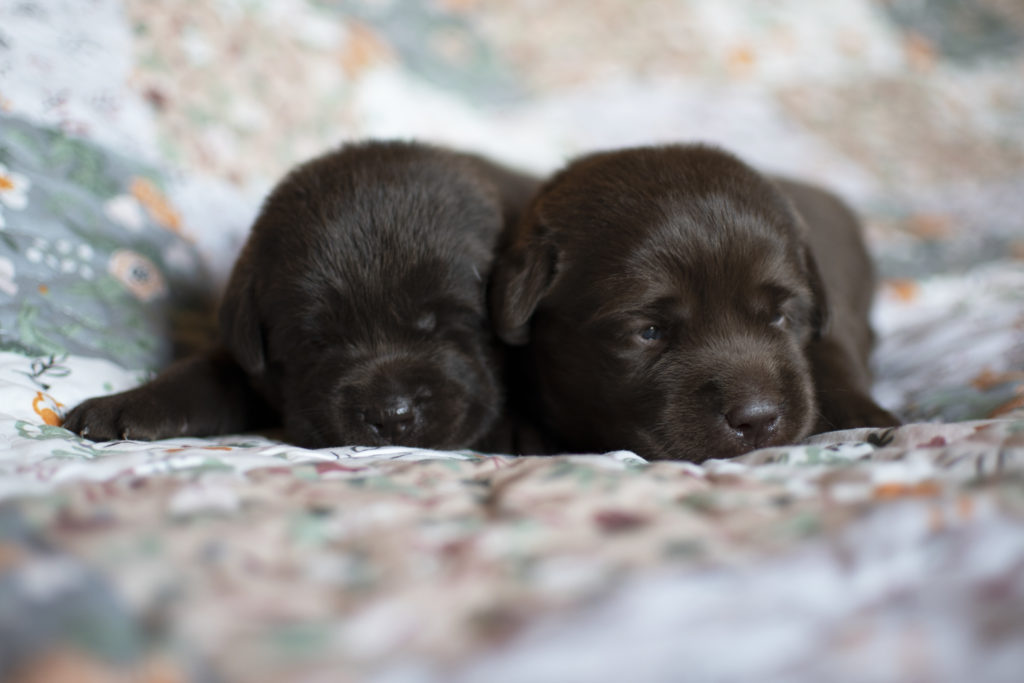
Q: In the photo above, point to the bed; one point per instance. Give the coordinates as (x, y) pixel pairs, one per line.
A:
(135, 145)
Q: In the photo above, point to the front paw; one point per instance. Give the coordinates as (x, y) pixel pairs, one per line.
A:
(854, 412)
(128, 415)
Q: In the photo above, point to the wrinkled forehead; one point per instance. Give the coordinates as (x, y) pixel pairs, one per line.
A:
(706, 244)
(419, 284)
(364, 297)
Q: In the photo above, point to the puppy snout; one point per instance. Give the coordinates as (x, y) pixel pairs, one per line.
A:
(755, 422)
(392, 418)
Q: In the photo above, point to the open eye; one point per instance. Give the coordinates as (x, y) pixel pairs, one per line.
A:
(651, 333)
(779, 319)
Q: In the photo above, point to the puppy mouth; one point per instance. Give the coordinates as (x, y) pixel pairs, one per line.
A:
(725, 434)
(416, 412)
(393, 421)
(717, 449)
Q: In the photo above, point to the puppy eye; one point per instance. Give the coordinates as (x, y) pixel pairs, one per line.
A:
(651, 333)
(427, 322)
(779, 319)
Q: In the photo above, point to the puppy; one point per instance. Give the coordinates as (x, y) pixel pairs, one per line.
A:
(676, 303)
(355, 314)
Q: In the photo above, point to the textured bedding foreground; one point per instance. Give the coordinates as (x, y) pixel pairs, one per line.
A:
(891, 556)
(861, 555)
(136, 139)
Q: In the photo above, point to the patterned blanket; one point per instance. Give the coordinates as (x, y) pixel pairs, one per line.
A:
(136, 139)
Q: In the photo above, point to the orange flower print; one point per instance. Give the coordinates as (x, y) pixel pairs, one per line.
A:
(138, 274)
(49, 409)
(903, 290)
(13, 191)
(13, 188)
(150, 196)
(363, 49)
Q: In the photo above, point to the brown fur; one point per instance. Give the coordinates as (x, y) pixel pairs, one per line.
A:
(673, 301)
(355, 314)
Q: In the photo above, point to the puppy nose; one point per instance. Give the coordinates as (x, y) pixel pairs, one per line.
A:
(755, 422)
(391, 418)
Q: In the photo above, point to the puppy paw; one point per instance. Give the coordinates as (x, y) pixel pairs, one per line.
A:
(128, 415)
(854, 412)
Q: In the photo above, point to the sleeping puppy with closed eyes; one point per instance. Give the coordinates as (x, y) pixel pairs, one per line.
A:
(355, 314)
(675, 302)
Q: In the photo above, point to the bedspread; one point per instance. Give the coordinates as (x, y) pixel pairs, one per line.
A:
(136, 139)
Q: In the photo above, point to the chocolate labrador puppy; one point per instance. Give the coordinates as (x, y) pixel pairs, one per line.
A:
(355, 314)
(675, 302)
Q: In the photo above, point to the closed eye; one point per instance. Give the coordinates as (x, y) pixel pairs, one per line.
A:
(772, 304)
(791, 314)
(456, 317)
(426, 322)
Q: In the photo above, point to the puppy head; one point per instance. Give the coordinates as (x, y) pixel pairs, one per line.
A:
(667, 296)
(358, 305)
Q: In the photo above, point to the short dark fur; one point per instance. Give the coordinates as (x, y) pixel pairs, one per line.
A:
(355, 313)
(677, 303)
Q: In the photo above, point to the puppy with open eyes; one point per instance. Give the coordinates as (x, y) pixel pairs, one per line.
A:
(355, 314)
(675, 302)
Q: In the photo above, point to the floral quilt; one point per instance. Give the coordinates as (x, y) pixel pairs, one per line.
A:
(136, 140)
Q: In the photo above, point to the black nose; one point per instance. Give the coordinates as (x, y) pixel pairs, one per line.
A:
(391, 418)
(755, 422)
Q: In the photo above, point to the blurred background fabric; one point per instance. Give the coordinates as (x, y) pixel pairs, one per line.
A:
(912, 109)
(160, 124)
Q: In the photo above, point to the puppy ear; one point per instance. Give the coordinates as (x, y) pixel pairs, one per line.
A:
(522, 275)
(240, 328)
(820, 315)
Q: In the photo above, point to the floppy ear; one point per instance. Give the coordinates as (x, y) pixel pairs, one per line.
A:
(240, 328)
(820, 315)
(522, 275)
